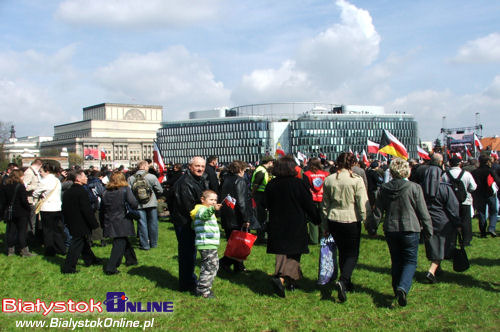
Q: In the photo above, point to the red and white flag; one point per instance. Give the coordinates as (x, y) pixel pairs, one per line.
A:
(458, 154)
(477, 142)
(103, 154)
(422, 153)
(468, 151)
(322, 155)
(372, 147)
(230, 201)
(365, 158)
(158, 160)
(300, 156)
(494, 154)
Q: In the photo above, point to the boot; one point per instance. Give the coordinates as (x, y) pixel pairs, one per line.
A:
(26, 253)
(11, 251)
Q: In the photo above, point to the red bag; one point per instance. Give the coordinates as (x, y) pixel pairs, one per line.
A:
(239, 245)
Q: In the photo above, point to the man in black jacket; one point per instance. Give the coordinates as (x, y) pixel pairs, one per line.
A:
(187, 193)
(80, 219)
(211, 171)
(485, 195)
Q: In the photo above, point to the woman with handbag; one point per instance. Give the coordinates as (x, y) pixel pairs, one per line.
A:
(289, 201)
(344, 205)
(235, 216)
(49, 207)
(117, 205)
(17, 213)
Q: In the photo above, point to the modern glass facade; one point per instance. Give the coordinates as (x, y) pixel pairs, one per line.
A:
(228, 138)
(333, 133)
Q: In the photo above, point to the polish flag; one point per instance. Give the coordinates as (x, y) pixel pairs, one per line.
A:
(422, 153)
(300, 156)
(230, 201)
(322, 155)
(468, 151)
(365, 158)
(458, 154)
(372, 147)
(158, 160)
(494, 154)
(477, 142)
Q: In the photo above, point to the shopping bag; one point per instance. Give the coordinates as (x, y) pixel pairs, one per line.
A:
(460, 259)
(239, 245)
(328, 267)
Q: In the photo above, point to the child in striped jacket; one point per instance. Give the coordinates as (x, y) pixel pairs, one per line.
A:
(206, 241)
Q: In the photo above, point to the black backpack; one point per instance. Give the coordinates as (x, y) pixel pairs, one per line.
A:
(141, 189)
(458, 186)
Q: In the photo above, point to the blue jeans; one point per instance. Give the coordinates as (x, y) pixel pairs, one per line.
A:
(481, 204)
(186, 256)
(403, 247)
(147, 228)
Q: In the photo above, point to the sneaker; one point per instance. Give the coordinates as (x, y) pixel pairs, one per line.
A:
(401, 297)
(341, 291)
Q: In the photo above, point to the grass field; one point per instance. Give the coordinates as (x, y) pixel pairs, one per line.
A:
(459, 302)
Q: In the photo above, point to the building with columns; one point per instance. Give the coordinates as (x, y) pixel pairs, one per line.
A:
(124, 132)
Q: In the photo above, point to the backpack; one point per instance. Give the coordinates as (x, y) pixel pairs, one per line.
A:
(141, 189)
(458, 186)
(95, 189)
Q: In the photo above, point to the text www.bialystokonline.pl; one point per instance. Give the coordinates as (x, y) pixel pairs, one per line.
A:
(81, 323)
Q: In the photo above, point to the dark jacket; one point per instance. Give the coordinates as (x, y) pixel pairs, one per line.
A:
(480, 175)
(213, 181)
(403, 204)
(21, 205)
(444, 208)
(77, 211)
(237, 187)
(187, 193)
(288, 201)
(112, 213)
(430, 182)
(375, 180)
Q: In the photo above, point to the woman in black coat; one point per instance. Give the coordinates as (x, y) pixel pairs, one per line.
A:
(242, 214)
(17, 227)
(115, 224)
(288, 201)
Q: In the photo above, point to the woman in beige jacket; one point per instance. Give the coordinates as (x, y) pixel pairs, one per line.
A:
(344, 207)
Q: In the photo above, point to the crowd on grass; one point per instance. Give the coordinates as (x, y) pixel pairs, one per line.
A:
(289, 205)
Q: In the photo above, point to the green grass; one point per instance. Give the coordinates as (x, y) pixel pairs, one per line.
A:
(459, 302)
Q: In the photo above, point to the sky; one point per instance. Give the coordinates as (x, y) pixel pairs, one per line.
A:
(432, 59)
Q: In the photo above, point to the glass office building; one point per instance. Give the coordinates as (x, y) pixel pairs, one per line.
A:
(251, 131)
(233, 138)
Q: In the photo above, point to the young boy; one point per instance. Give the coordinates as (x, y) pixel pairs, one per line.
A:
(207, 240)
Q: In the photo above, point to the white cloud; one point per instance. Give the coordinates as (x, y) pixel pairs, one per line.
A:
(323, 63)
(174, 78)
(137, 13)
(481, 50)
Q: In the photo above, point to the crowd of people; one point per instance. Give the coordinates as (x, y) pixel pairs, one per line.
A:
(290, 205)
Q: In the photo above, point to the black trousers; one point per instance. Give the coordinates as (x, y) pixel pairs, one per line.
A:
(121, 247)
(16, 232)
(53, 233)
(347, 237)
(80, 246)
(465, 216)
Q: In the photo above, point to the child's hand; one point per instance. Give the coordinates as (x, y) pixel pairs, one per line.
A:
(217, 207)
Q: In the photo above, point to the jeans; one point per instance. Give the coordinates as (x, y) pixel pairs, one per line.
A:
(186, 256)
(480, 205)
(147, 227)
(403, 247)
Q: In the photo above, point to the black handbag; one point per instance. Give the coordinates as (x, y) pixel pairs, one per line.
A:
(130, 213)
(9, 211)
(460, 259)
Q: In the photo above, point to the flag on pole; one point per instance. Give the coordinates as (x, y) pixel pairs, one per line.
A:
(477, 142)
(365, 158)
(322, 155)
(422, 153)
(391, 145)
(230, 201)
(158, 160)
(350, 151)
(494, 154)
(468, 151)
(279, 150)
(372, 147)
(300, 156)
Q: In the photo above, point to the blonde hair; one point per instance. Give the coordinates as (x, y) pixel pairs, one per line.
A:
(116, 180)
(399, 168)
(207, 193)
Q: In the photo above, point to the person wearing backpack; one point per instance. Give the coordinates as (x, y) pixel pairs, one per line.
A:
(146, 187)
(463, 185)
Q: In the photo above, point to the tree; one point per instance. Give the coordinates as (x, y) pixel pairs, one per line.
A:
(4, 137)
(75, 159)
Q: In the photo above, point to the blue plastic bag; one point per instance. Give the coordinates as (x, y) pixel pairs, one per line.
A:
(328, 267)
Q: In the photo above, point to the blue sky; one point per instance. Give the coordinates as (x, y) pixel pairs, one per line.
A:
(427, 58)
